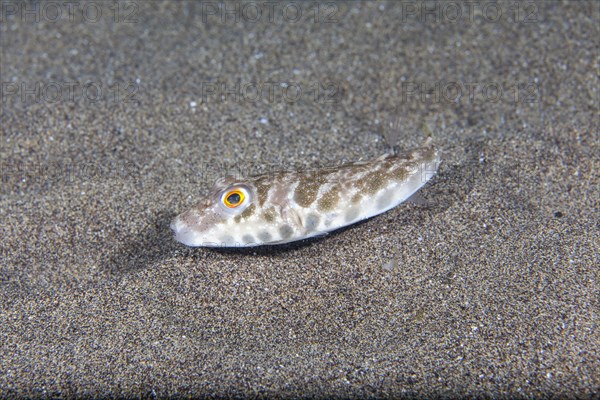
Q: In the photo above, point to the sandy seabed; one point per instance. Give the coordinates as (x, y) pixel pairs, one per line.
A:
(116, 117)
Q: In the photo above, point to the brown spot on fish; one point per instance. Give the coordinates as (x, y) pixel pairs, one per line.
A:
(248, 212)
(330, 199)
(399, 171)
(262, 189)
(379, 181)
(308, 188)
(372, 182)
(269, 214)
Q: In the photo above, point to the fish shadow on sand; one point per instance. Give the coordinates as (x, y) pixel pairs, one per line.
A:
(150, 247)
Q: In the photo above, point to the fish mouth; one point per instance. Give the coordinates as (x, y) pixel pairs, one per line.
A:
(184, 234)
(181, 232)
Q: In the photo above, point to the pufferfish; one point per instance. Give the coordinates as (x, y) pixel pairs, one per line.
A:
(287, 206)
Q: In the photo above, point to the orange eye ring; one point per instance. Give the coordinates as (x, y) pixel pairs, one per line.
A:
(234, 198)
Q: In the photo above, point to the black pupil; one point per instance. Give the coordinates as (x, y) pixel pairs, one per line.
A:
(234, 198)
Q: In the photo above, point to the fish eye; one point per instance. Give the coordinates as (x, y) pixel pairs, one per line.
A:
(233, 198)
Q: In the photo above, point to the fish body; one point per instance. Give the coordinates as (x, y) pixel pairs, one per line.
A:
(285, 206)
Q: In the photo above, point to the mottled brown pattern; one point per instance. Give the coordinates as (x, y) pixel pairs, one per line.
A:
(269, 214)
(340, 193)
(399, 171)
(262, 184)
(248, 212)
(357, 197)
(308, 188)
(347, 171)
(379, 181)
(330, 199)
(373, 181)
